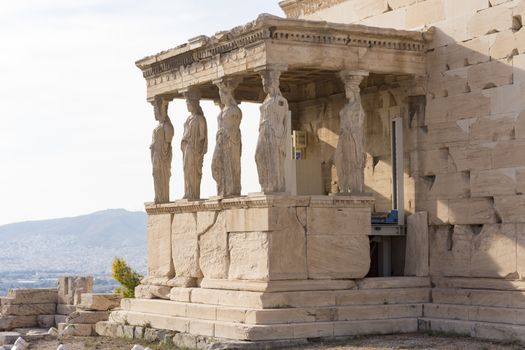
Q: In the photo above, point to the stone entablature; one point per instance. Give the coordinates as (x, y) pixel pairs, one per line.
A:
(271, 40)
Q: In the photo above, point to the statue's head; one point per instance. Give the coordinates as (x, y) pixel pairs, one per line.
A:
(194, 106)
(192, 97)
(270, 82)
(352, 80)
(352, 92)
(160, 107)
(227, 88)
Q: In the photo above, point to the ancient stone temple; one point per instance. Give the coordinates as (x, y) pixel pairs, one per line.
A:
(391, 160)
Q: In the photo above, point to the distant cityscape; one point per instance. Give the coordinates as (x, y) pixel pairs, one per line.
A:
(35, 254)
(48, 279)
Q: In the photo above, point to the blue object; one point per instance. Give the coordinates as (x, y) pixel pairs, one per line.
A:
(390, 218)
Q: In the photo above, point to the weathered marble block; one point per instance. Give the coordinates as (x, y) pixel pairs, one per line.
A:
(12, 322)
(30, 296)
(87, 317)
(28, 309)
(159, 247)
(99, 302)
(417, 250)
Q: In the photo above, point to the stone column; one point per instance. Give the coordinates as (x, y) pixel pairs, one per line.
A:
(194, 145)
(226, 162)
(161, 152)
(350, 153)
(271, 151)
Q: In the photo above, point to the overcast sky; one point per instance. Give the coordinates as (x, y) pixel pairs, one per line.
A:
(75, 126)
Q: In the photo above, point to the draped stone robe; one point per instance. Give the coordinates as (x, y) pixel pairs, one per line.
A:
(270, 154)
(194, 146)
(226, 163)
(161, 155)
(349, 156)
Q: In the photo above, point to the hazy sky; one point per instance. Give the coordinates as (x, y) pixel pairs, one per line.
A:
(75, 126)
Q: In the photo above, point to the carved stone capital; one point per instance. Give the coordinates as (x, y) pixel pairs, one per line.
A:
(352, 79)
(160, 108)
(160, 105)
(271, 67)
(230, 82)
(270, 75)
(227, 86)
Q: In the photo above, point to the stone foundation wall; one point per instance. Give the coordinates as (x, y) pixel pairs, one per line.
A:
(257, 238)
(469, 167)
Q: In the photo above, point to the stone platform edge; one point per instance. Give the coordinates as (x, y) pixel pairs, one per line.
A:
(259, 200)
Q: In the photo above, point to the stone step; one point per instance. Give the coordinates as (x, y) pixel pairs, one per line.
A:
(271, 316)
(479, 283)
(99, 301)
(480, 297)
(27, 309)
(393, 282)
(31, 296)
(475, 313)
(316, 285)
(258, 300)
(241, 331)
(484, 330)
(9, 322)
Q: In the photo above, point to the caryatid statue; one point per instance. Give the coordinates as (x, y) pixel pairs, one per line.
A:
(270, 154)
(226, 162)
(161, 152)
(194, 146)
(350, 153)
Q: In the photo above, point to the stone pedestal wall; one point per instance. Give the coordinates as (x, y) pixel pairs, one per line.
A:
(257, 238)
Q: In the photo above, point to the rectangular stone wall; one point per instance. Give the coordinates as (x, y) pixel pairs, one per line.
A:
(257, 238)
(470, 161)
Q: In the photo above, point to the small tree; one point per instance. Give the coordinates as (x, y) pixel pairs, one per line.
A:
(125, 275)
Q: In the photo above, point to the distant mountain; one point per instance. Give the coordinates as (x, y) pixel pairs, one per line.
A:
(84, 244)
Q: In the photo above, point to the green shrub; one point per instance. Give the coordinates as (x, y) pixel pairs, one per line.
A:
(125, 275)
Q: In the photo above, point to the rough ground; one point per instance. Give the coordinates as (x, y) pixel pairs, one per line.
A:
(407, 341)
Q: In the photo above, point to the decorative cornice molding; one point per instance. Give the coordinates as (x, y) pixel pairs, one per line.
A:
(268, 27)
(299, 8)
